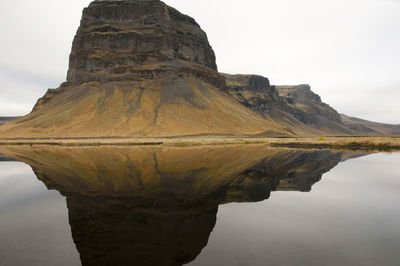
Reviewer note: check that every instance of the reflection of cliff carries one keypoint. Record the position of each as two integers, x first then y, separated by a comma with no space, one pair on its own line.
155,205
125,231
285,170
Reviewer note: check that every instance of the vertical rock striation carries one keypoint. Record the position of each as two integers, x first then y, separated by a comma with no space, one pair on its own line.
117,38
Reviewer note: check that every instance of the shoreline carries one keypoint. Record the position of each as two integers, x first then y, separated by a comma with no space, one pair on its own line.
353,143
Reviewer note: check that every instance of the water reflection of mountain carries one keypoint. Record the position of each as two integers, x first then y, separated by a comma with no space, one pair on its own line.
158,206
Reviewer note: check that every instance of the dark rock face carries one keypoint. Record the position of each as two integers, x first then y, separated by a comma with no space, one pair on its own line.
254,92
116,39
307,105
296,107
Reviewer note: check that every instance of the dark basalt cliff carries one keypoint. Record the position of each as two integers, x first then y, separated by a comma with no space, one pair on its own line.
307,106
117,38
294,107
254,92
299,109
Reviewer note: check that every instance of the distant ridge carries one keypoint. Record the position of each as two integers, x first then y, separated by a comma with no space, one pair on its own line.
299,109
370,128
6,119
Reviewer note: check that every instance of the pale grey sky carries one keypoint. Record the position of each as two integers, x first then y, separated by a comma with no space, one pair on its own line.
347,50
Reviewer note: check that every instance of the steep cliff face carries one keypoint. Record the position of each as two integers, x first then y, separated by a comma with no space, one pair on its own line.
139,68
117,38
306,105
254,92
294,107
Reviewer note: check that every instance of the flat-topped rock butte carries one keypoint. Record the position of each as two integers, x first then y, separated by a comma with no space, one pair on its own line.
140,68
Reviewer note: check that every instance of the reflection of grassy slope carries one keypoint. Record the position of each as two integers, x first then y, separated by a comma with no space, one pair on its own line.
122,170
141,108
197,174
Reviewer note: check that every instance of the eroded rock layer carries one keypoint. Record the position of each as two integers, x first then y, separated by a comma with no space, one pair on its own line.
117,38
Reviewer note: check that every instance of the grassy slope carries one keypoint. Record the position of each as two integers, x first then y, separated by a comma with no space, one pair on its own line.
148,108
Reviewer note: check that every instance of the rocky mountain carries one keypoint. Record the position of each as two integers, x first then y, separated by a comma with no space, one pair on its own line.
293,107
298,108
140,68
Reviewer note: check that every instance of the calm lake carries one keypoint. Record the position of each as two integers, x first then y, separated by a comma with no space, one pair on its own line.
236,205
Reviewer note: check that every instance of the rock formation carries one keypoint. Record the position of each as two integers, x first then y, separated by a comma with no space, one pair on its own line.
117,38
293,107
298,108
140,68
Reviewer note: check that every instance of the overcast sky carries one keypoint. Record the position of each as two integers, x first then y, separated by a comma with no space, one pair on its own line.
347,50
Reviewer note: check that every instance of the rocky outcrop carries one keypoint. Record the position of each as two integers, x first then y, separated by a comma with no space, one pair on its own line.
116,39
294,107
254,92
139,68
306,105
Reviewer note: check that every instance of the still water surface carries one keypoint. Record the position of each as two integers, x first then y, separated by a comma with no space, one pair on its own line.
200,206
